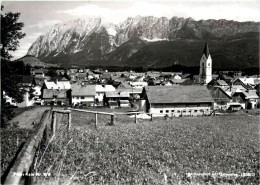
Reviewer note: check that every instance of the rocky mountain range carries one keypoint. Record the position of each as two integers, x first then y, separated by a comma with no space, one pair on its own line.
93,41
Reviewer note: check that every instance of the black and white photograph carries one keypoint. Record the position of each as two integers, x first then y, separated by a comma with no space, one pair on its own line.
144,92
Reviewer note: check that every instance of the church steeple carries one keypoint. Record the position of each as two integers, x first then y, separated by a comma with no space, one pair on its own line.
206,50
205,66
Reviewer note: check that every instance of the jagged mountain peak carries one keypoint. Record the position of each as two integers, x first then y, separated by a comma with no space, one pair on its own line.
96,36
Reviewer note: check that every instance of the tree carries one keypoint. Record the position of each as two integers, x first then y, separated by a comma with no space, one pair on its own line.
10,35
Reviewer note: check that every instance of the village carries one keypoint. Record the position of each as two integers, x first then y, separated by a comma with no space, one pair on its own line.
159,93
130,92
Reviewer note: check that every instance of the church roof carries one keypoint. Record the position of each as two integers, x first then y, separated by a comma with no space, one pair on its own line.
206,50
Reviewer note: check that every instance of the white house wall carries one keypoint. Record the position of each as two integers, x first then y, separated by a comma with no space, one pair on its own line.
181,110
79,100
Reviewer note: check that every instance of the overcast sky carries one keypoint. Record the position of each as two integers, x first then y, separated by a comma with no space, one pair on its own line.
39,17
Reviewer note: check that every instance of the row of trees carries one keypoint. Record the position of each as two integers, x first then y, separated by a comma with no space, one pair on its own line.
11,33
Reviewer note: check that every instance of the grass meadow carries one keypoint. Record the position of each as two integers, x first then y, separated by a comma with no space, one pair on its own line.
187,150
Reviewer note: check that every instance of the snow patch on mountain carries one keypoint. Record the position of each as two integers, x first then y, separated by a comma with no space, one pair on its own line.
154,40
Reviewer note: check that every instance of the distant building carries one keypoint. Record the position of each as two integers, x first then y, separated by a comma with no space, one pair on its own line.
117,99
83,94
56,85
177,100
101,90
56,96
205,75
38,72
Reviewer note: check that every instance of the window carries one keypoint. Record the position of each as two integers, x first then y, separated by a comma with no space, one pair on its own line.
161,111
184,111
208,64
172,110
195,110
178,111
82,97
167,111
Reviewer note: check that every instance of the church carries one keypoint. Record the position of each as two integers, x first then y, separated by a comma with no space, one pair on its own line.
205,75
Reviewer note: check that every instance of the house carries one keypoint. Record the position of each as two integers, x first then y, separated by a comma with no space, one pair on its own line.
27,101
56,85
37,94
247,98
38,81
192,100
176,76
133,92
117,99
83,94
60,71
101,90
105,77
246,81
218,83
38,72
177,81
9,100
56,96
81,76
221,98
251,99
73,77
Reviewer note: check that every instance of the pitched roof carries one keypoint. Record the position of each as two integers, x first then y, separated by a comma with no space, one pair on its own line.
178,81
178,94
83,90
57,85
250,94
206,50
222,82
51,93
105,88
105,76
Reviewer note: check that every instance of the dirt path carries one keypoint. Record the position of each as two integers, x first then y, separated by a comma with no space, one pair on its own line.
26,118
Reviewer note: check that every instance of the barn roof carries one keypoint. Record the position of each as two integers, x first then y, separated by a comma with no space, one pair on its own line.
178,94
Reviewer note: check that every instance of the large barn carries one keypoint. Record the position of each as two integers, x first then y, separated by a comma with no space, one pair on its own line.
177,100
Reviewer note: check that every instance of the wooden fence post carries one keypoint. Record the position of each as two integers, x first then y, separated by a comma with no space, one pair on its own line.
53,123
46,133
69,114
96,120
151,117
136,118
112,120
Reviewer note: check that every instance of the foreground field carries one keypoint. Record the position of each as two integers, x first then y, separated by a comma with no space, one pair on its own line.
180,150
